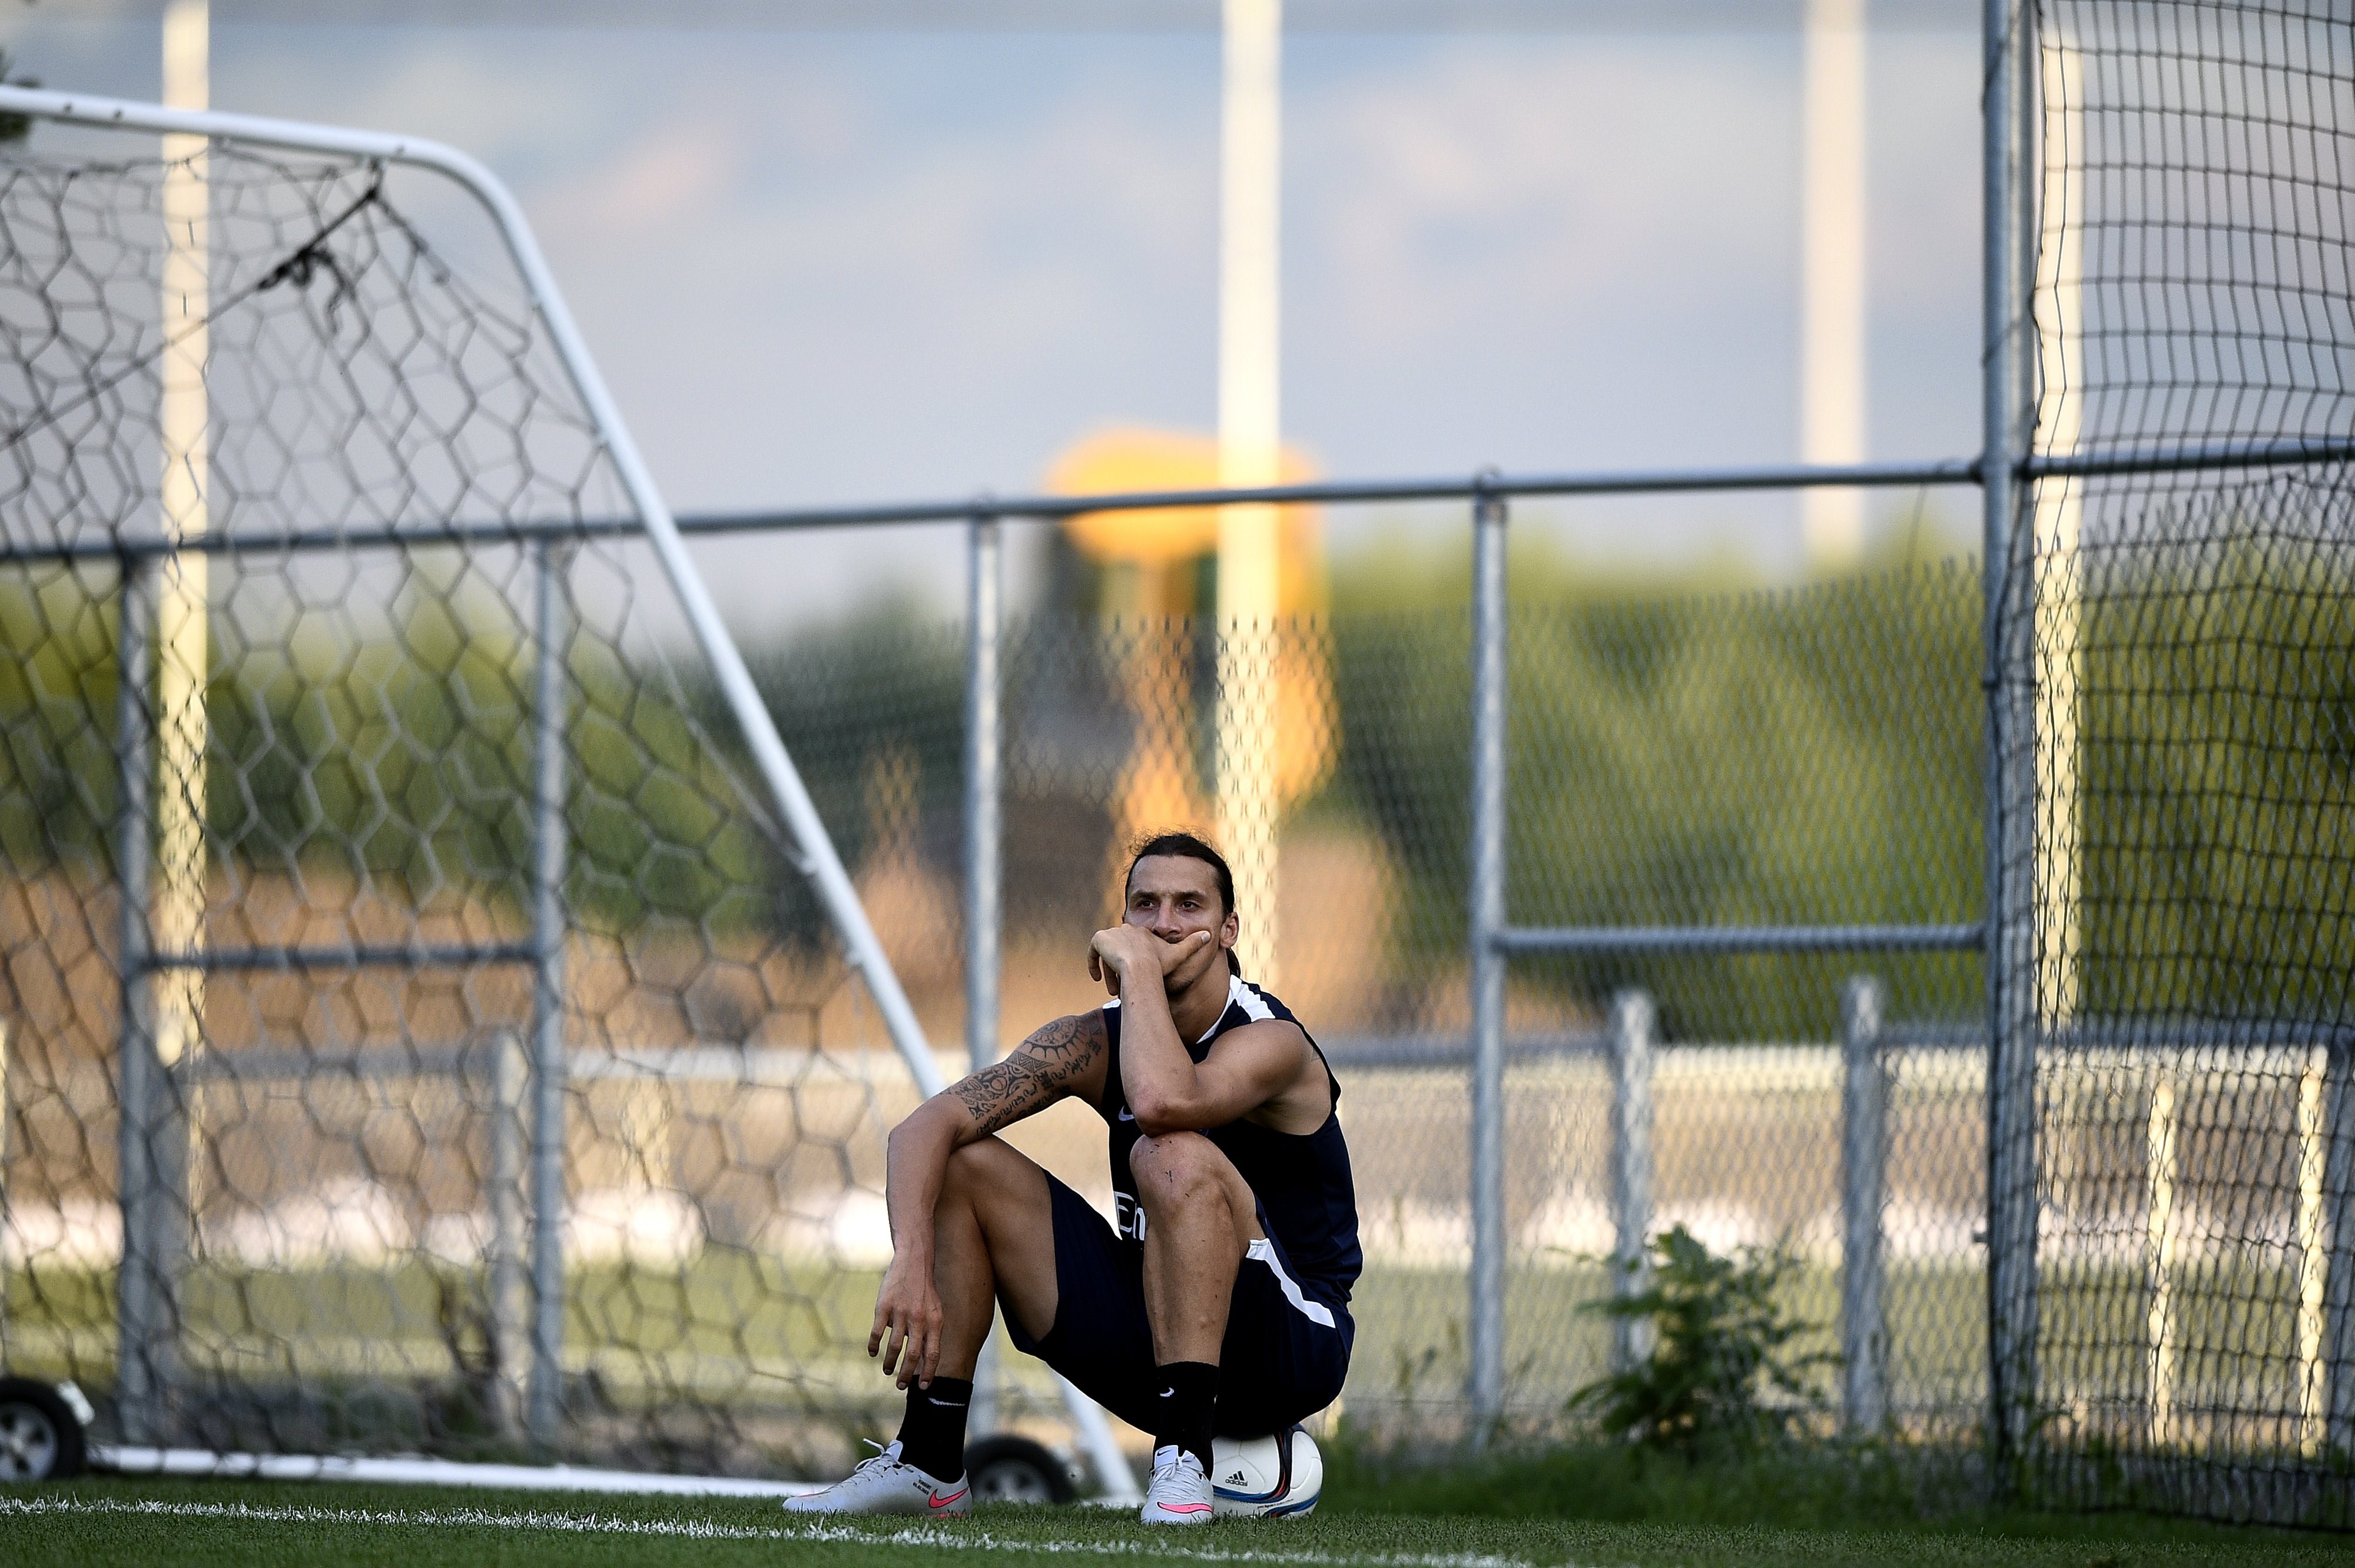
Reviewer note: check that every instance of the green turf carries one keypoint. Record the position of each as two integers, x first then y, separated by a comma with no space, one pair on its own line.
97,1523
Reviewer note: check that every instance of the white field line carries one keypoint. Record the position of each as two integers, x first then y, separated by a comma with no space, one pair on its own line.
193,1463
931,1537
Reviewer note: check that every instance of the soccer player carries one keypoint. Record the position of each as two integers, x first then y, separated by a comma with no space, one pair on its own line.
1217,1302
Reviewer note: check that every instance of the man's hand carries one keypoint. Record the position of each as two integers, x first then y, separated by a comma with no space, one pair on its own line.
1117,948
907,1313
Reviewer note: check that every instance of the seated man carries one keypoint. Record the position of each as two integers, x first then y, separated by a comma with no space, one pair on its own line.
1220,1304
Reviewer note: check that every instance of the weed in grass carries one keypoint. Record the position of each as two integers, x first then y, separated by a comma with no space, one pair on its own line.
1721,1371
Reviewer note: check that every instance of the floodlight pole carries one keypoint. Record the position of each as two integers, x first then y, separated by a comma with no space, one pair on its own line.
2007,405
1249,439
1833,295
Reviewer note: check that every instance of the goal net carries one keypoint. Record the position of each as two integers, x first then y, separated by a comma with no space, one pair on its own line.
420,1032
2181,673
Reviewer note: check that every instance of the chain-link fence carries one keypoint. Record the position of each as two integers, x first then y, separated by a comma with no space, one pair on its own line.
357,1143
1783,755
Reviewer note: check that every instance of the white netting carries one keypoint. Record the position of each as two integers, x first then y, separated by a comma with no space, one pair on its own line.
395,508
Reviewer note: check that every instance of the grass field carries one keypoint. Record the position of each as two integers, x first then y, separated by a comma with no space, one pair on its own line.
99,1523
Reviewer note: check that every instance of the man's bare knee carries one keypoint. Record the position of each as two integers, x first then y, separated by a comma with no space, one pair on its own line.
983,1169
1004,1192
1181,1168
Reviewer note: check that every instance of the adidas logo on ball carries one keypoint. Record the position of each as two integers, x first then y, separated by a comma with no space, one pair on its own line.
1278,1477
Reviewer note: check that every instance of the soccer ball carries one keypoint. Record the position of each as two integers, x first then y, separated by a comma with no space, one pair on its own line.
1266,1477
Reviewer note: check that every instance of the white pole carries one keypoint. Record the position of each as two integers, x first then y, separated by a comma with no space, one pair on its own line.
1250,435
2159,1164
4,1179
1832,313
2315,1224
183,644
2058,581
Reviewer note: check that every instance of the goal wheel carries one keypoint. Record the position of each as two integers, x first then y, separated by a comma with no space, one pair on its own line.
1006,1469
40,1437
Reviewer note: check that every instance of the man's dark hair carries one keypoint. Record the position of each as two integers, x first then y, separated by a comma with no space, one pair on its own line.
1187,847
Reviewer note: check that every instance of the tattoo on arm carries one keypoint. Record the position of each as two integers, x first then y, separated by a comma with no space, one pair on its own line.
1041,1071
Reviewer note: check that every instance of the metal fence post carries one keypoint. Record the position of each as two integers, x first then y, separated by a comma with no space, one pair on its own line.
545,1396
984,762
1634,1023
146,1313
1864,1162
510,1336
2009,264
983,878
1487,912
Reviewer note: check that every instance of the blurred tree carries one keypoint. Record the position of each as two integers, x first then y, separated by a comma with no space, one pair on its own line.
15,127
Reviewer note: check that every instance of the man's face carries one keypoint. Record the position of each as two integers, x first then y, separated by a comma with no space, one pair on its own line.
1175,895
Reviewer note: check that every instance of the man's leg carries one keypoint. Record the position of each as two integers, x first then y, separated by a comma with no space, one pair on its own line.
993,1231
1199,1220
992,1234
994,1228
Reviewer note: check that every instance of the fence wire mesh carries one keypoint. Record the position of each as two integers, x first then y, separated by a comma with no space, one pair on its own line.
1797,756
2183,670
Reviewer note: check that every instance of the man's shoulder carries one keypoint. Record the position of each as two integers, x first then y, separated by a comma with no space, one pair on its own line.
1261,1005
1247,1004
1071,1038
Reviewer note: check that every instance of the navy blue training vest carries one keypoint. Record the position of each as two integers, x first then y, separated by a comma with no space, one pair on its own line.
1306,1198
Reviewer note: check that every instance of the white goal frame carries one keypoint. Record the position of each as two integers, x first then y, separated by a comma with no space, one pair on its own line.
812,849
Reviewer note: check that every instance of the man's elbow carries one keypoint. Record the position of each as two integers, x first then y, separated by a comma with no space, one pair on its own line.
1159,1116
928,1120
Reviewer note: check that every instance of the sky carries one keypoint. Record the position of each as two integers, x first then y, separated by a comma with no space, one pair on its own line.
819,264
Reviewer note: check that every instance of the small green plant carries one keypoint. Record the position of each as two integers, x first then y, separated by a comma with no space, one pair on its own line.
1724,1371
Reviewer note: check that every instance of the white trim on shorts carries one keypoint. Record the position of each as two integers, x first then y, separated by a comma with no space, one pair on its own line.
1314,1311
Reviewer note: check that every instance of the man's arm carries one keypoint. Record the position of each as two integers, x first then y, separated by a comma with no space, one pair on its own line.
1057,1060
1041,1071
1168,1090
1246,1069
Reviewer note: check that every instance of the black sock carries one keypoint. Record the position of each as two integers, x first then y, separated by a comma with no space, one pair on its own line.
931,1435
1189,1403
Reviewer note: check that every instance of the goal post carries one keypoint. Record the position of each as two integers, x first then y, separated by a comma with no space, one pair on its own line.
651,749
784,781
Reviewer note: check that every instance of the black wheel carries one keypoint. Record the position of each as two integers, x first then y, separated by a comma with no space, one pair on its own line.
40,1440
1015,1469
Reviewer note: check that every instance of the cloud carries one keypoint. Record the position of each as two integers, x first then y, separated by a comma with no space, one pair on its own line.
1543,185
681,170
816,267
956,293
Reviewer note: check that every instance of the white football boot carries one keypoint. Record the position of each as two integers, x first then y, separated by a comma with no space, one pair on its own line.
884,1484
1180,1492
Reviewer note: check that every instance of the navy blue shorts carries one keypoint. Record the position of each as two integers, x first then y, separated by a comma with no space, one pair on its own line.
1286,1353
